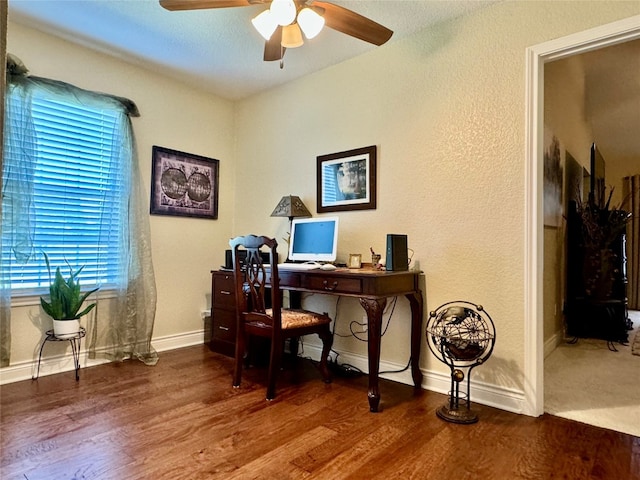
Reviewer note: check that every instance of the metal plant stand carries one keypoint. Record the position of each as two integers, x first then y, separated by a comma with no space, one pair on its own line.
75,342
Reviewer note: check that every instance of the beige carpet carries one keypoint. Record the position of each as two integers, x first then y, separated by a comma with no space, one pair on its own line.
591,384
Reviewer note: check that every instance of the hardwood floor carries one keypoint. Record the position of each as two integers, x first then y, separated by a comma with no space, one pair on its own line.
182,420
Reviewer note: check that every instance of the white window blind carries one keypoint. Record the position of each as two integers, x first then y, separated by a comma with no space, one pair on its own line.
78,188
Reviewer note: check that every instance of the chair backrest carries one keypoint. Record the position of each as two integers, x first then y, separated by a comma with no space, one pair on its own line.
256,282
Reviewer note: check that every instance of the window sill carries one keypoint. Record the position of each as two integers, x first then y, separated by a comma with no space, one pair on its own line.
32,297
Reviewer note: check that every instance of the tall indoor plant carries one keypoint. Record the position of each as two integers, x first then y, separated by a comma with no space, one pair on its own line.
65,302
602,226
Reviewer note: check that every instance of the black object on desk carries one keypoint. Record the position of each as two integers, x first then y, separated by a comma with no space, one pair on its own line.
228,262
74,340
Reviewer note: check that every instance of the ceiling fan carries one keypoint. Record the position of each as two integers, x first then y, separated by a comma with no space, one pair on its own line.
283,23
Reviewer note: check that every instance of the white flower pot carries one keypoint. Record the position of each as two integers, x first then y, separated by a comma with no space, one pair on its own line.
66,328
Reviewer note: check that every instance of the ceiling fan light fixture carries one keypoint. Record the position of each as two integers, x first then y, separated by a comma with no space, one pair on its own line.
265,24
310,22
291,36
284,11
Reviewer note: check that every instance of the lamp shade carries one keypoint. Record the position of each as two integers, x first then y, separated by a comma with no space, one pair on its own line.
265,24
310,22
292,36
284,11
290,206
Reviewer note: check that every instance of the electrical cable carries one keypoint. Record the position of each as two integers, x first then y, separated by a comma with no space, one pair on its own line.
354,334
397,371
411,256
348,369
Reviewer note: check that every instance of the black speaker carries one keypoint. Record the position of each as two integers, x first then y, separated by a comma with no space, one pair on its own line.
397,253
228,258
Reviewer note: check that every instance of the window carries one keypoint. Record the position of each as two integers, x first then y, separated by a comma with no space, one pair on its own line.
72,188
78,190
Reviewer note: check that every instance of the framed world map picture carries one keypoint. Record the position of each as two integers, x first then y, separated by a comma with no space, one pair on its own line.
183,184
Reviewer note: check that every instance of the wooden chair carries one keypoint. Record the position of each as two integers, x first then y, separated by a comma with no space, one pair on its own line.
254,282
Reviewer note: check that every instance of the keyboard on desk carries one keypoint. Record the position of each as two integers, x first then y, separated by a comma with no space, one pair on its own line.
299,266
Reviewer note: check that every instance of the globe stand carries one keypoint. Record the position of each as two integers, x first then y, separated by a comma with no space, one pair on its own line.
458,410
461,335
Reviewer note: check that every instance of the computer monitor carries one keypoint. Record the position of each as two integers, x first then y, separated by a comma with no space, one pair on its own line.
314,239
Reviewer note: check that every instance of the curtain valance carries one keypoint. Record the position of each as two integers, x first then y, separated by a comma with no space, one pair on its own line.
18,74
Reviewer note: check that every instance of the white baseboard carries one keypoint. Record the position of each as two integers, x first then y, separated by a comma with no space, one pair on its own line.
64,363
499,397
49,366
171,342
508,399
552,343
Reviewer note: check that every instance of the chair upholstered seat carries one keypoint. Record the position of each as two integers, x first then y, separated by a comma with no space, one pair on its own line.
295,318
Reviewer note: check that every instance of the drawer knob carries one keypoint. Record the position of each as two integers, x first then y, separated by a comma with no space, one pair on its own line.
225,292
223,328
325,285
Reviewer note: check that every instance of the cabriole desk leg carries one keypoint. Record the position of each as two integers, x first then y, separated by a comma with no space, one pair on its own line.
374,309
416,303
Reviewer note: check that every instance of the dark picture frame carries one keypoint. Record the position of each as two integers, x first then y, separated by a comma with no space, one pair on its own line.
183,184
347,180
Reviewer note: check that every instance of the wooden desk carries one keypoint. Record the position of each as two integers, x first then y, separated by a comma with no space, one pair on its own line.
372,288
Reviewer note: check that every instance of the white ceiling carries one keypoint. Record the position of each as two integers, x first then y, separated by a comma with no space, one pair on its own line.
612,104
219,49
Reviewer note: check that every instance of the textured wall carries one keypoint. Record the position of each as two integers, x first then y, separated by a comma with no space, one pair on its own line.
446,108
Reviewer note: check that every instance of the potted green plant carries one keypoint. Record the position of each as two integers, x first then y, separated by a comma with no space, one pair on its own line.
65,302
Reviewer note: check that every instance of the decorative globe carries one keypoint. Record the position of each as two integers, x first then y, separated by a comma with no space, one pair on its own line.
462,335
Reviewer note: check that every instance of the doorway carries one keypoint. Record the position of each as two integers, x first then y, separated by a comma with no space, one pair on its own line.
606,35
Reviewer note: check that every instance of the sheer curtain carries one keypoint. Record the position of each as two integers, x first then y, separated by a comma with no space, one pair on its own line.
5,332
631,192
125,332
122,325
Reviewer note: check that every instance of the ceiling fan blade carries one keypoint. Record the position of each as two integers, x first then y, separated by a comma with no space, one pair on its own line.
273,50
200,4
348,22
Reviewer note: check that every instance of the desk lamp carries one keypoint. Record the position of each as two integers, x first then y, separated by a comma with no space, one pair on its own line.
290,206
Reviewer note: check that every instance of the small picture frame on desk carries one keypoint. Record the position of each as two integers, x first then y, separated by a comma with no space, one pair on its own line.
355,260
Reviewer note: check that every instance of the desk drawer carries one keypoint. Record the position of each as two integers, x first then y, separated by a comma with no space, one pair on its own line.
223,291
224,325
332,284
289,279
